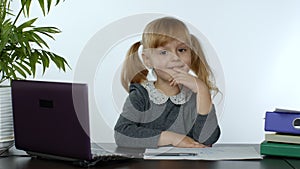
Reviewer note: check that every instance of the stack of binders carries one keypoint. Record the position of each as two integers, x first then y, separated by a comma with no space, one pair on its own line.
282,137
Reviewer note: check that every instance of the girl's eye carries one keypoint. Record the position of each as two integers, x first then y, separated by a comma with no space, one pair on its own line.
163,52
182,50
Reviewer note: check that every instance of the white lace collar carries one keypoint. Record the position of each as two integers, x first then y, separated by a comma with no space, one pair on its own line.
160,98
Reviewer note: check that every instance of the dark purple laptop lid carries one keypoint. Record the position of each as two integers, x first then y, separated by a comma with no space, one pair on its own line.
51,118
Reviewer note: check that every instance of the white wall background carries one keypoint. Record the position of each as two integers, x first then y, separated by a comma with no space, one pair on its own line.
257,43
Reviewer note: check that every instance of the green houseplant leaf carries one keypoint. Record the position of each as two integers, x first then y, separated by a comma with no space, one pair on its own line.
24,46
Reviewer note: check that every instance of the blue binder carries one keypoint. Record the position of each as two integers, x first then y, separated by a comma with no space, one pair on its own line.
283,122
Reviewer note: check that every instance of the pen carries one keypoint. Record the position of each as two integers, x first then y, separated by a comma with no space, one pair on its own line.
173,154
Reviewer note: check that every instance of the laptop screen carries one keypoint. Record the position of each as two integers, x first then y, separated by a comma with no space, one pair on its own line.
51,118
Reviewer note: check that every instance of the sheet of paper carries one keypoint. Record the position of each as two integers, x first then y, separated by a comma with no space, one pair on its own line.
210,153
286,110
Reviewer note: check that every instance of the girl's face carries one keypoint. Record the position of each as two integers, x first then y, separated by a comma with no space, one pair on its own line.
173,54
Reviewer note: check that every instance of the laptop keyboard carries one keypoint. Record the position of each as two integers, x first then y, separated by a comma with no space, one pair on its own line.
104,155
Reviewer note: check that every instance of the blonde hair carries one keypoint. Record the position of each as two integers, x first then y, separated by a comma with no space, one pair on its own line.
200,66
133,70
158,33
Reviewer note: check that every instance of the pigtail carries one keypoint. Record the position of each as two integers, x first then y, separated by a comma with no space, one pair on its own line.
133,70
200,65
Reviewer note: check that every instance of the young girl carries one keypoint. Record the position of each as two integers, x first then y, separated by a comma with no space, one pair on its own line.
167,105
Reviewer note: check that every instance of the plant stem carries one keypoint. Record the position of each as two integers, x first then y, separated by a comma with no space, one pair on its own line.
21,10
16,19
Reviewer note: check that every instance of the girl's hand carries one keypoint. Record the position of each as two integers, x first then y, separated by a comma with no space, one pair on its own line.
178,140
181,76
187,142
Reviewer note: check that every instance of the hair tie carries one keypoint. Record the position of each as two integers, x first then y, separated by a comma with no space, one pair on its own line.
140,53
151,76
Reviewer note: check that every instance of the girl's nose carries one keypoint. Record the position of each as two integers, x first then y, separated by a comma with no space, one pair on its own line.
175,57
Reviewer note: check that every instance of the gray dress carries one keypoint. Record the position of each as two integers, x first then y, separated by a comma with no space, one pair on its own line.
146,114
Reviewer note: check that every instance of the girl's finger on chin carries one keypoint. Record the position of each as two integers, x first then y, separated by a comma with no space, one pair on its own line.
176,69
173,83
180,70
170,72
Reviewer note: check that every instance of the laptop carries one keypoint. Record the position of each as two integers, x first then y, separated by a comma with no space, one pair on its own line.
51,120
